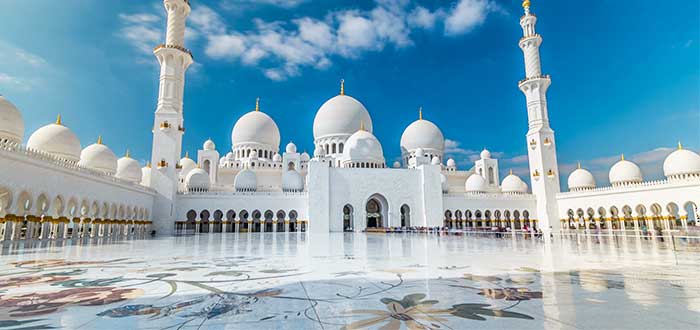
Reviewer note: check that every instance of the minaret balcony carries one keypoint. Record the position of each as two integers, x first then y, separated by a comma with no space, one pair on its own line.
536,35
528,79
178,47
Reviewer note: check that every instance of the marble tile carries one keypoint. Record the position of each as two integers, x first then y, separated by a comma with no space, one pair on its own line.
400,281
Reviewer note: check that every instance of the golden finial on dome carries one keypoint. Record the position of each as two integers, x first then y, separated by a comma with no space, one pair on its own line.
99,139
362,125
342,86
578,166
257,104
420,113
128,154
148,164
511,171
58,120
680,146
622,157
187,154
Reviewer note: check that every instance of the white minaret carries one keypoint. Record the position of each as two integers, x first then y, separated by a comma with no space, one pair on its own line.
541,146
168,126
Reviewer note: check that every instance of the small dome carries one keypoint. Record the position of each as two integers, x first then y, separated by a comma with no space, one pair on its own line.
230,155
341,115
624,172
186,165
397,164
99,157
475,184
513,184
363,146
682,162
209,145
246,180
422,134
305,157
581,179
291,148
292,181
485,154
451,163
56,140
256,127
319,152
435,160
444,184
198,179
11,122
146,175
277,158
129,169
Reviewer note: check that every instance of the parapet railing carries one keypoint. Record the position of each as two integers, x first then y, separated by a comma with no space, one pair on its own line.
51,160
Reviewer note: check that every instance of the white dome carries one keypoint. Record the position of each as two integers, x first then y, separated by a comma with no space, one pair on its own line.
99,157
230,155
246,180
129,169
56,140
209,145
422,134
341,115
256,127
475,183
292,181
319,152
397,164
435,160
291,148
581,179
485,154
451,163
682,162
624,172
198,179
363,146
187,165
513,184
11,122
305,157
444,184
277,158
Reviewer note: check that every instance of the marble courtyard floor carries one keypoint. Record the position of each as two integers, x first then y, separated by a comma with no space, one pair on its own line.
351,281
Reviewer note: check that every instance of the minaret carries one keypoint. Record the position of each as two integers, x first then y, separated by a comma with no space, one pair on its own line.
541,145
168,126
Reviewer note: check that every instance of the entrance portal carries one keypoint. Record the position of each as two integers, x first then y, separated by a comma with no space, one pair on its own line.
375,213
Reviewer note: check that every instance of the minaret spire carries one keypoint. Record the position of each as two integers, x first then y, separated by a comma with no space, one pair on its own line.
541,146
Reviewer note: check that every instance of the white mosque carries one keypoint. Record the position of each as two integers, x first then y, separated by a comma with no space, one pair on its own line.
51,187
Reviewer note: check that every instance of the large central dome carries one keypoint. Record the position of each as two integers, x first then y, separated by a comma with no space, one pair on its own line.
341,115
422,134
256,127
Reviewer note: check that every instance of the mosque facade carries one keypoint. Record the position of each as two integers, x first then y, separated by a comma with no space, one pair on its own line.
52,187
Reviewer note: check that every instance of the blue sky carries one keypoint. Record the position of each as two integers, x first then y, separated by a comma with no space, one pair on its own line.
626,74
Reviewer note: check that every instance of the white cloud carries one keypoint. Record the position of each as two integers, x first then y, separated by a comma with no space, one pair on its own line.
238,4
282,49
22,69
466,15
142,31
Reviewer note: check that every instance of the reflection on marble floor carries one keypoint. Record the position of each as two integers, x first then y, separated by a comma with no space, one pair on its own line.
349,281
